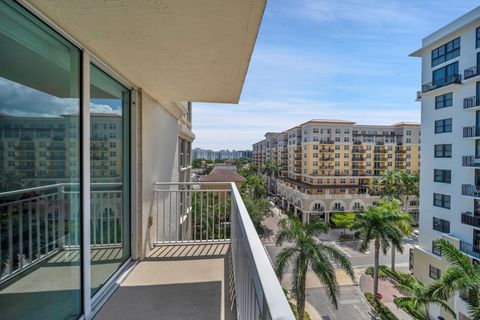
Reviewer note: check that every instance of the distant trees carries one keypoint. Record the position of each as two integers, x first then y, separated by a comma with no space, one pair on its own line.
270,169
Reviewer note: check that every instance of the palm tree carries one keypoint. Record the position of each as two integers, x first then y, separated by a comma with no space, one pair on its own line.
381,224
389,183
253,186
418,297
270,169
461,275
304,251
395,184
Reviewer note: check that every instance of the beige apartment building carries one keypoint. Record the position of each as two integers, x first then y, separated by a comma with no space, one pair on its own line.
330,165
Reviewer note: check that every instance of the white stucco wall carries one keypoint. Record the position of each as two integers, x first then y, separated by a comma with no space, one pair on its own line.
158,161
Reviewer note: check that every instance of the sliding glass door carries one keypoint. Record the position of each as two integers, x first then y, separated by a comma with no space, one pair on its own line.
109,173
40,211
43,220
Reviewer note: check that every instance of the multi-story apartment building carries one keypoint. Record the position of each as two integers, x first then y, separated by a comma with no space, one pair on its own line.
450,171
206,154
95,150
330,165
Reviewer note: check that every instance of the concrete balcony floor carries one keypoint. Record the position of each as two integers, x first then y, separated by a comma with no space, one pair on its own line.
175,282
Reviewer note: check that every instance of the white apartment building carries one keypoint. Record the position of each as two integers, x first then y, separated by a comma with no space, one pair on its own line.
450,166
98,217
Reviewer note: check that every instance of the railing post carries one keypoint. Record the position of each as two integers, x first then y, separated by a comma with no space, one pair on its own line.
61,217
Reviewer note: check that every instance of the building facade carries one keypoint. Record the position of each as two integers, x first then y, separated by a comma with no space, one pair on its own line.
206,154
328,166
449,187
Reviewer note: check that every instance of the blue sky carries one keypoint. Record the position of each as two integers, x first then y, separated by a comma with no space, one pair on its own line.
340,59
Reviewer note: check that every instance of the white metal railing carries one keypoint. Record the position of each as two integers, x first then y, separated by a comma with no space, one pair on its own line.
36,223
192,212
205,212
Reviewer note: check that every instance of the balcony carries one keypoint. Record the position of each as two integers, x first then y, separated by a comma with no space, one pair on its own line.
471,103
206,253
470,161
470,190
357,158
471,132
470,219
453,79
470,249
419,96
471,72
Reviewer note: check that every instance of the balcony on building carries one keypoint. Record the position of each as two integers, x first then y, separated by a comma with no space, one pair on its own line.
471,103
440,83
471,219
419,96
206,253
470,249
471,190
470,161
472,132
471,72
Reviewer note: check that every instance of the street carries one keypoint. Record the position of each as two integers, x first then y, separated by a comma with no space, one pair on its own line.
352,304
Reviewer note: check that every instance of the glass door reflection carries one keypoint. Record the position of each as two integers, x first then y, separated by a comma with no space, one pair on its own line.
109,175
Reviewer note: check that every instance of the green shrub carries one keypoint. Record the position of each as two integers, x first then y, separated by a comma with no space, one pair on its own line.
383,311
381,273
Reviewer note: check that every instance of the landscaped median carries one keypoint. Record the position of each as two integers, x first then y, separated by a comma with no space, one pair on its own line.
380,309
385,306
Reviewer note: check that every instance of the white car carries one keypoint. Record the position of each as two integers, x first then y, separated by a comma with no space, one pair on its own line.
416,232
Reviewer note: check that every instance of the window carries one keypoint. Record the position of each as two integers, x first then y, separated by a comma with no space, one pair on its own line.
445,75
436,249
443,151
444,176
444,100
441,200
446,52
477,37
434,273
444,125
441,225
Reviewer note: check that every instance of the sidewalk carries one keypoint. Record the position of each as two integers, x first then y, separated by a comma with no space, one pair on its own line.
388,292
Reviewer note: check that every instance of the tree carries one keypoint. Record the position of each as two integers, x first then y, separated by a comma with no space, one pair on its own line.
270,169
258,209
418,297
381,224
253,186
395,184
343,220
304,251
389,184
461,275
11,180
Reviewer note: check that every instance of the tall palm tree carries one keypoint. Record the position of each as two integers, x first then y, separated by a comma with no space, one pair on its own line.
381,224
389,183
270,169
461,275
395,184
418,297
304,251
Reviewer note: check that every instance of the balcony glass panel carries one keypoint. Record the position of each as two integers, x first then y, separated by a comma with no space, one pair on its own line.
109,131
